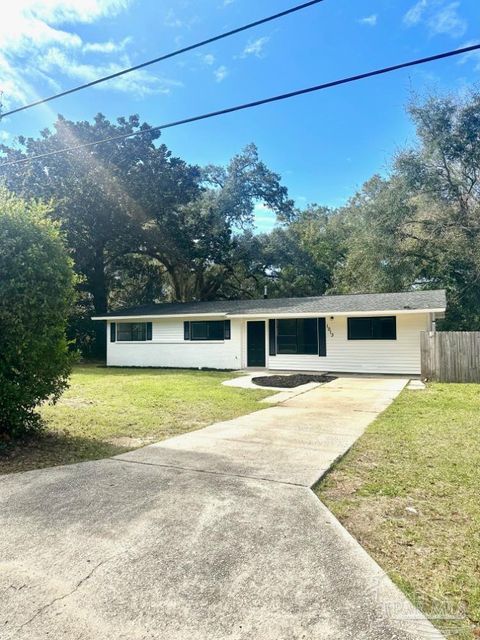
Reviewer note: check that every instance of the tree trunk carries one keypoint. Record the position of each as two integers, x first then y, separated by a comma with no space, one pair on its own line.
98,288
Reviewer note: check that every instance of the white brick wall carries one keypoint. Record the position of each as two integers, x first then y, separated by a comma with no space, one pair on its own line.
168,349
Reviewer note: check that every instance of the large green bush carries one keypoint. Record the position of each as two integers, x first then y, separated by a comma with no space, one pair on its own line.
36,295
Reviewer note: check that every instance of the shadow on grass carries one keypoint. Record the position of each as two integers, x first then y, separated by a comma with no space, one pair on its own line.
53,449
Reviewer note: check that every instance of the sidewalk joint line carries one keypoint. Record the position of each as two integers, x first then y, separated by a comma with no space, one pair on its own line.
215,473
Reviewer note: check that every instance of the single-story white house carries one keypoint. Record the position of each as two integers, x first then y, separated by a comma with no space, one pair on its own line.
360,333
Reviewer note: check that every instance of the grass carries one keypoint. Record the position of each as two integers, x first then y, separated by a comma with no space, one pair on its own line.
409,491
108,411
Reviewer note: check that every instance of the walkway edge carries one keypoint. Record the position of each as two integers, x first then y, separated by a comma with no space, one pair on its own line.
387,594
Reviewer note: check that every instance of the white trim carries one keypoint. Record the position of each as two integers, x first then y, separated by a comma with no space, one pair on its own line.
171,341
160,316
266,316
328,314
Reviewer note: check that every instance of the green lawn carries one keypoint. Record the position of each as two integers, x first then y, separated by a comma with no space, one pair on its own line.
108,411
409,491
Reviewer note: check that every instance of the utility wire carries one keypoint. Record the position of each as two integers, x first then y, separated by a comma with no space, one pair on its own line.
166,56
256,103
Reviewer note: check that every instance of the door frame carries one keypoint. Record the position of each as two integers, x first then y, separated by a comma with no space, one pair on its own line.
245,342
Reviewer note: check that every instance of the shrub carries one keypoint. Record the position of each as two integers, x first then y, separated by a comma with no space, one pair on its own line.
36,295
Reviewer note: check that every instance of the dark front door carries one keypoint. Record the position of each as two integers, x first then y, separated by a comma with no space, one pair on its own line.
256,344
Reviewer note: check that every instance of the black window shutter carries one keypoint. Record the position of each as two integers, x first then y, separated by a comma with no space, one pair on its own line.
113,332
149,330
272,338
322,337
228,330
186,330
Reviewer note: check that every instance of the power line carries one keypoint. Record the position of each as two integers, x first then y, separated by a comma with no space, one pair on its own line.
256,103
166,56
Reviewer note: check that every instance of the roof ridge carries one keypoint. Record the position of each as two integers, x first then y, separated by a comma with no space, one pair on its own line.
327,295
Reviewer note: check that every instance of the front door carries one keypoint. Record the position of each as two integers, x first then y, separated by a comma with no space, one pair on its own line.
256,344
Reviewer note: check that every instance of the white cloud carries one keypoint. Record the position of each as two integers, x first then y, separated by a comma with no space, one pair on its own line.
221,73
470,56
261,207
139,83
265,218
439,16
73,11
208,58
415,13
255,47
370,21
39,38
106,47
29,23
171,20
12,85
448,21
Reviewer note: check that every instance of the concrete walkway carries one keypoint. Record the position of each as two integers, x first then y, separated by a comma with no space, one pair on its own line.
212,535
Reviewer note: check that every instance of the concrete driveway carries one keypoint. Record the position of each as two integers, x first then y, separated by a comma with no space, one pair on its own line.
211,535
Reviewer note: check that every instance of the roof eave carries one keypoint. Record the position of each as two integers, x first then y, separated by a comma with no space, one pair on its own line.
160,315
316,314
296,314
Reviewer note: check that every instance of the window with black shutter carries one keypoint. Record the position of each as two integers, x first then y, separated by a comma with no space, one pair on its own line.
208,330
132,331
297,336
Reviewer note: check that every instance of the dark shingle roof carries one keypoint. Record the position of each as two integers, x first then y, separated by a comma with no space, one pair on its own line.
359,302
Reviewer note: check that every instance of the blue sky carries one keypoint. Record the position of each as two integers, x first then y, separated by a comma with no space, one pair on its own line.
324,145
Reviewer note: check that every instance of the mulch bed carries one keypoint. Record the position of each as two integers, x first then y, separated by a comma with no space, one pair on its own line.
289,382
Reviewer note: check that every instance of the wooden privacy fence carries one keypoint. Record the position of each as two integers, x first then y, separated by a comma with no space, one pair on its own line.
450,356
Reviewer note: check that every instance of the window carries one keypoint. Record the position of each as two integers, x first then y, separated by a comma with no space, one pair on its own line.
297,336
207,330
134,331
378,328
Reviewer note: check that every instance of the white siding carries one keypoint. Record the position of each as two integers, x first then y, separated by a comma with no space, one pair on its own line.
363,356
168,349
170,330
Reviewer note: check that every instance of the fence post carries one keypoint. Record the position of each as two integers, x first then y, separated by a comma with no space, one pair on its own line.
427,349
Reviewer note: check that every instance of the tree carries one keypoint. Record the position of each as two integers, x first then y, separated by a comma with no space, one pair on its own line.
36,296
96,192
443,177
302,256
199,243
377,258
420,227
